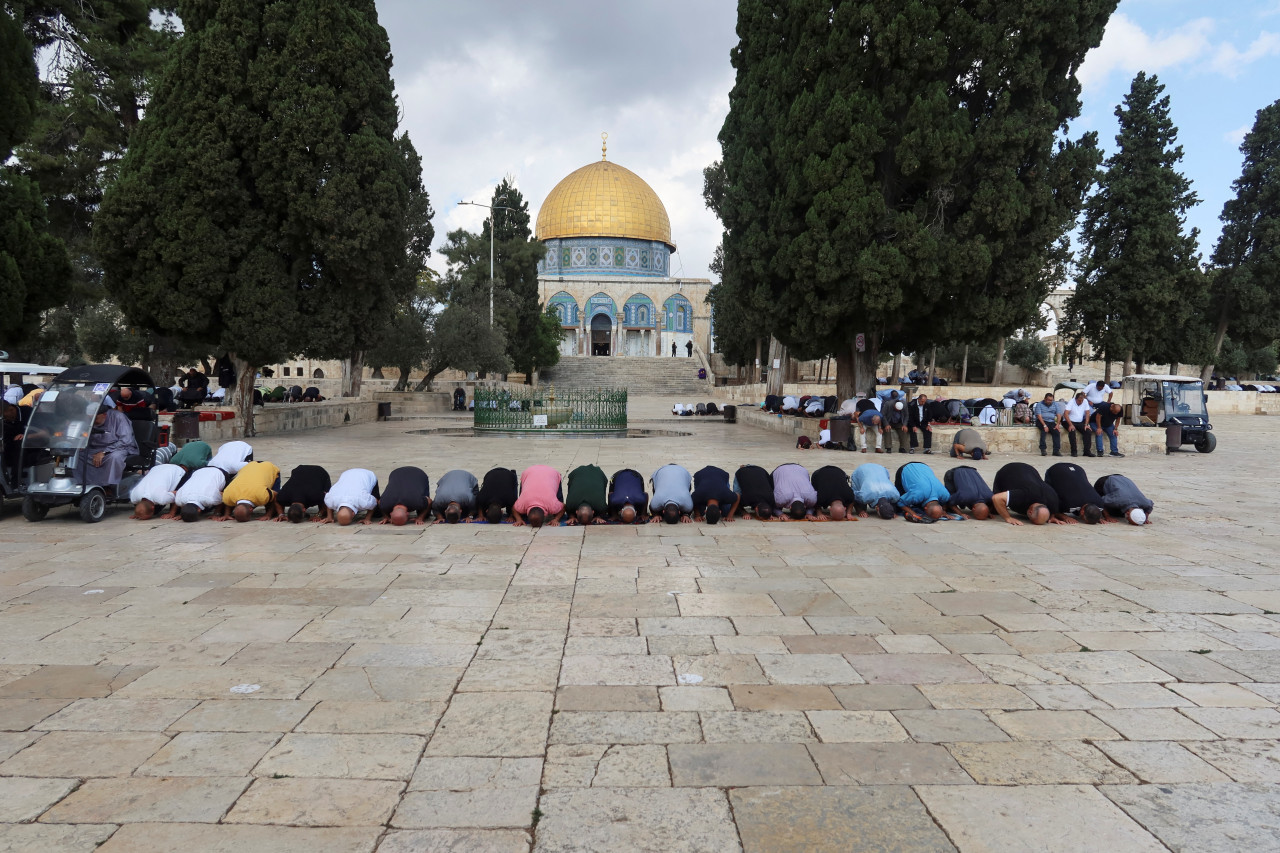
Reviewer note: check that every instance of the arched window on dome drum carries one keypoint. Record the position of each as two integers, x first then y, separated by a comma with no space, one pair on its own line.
679,315
638,313
566,308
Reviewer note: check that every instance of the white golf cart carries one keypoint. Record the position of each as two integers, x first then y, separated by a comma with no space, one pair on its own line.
1176,403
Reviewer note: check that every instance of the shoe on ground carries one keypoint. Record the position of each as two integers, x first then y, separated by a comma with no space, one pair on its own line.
1044,453
912,450
1057,453
929,451
879,450
1117,454
1073,453
902,450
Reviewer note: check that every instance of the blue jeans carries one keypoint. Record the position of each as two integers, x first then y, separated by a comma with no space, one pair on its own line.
1110,433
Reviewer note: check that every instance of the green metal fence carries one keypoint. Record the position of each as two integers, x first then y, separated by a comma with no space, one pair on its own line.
546,410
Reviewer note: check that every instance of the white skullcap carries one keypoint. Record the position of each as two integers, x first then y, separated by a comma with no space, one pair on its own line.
13,395
898,406
1138,516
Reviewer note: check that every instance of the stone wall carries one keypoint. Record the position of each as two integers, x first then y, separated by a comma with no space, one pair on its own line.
289,417
1012,439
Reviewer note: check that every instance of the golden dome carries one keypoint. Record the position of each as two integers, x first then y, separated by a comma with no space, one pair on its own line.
604,200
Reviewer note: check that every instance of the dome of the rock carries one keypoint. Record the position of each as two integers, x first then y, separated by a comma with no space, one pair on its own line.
604,199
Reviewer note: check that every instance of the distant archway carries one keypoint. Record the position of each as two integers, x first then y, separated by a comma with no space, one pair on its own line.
317,374
601,334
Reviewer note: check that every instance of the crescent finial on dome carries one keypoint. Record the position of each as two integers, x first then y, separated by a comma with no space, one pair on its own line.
604,146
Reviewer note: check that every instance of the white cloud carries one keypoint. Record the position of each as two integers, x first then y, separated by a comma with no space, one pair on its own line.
1229,61
1127,47
510,87
1235,137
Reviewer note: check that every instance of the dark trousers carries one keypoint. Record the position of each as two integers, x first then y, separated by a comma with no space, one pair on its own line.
1057,438
1084,437
928,437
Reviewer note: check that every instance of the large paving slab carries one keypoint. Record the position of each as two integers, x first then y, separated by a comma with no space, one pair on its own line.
867,685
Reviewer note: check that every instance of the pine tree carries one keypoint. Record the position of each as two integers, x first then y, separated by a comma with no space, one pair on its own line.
1139,283
98,62
900,168
516,256
266,206
1246,284
34,269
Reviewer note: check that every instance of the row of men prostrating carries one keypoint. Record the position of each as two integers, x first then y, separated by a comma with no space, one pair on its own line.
232,485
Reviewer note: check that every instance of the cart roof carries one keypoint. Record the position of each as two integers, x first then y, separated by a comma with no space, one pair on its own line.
1162,377
27,368
113,373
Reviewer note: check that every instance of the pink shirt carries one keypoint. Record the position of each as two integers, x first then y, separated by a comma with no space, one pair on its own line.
538,487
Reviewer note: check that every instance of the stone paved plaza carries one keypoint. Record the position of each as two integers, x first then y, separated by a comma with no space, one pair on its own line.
863,686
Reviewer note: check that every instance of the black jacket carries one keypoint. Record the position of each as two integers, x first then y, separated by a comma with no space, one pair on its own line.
917,415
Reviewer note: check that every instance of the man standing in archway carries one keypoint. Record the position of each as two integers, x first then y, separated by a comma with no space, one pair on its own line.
673,349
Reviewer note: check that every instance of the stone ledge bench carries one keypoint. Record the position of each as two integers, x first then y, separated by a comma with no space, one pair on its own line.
1000,440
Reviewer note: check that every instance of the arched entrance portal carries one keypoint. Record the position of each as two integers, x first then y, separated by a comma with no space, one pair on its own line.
601,334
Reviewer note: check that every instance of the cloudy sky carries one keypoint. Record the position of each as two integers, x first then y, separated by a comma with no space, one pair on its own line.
507,87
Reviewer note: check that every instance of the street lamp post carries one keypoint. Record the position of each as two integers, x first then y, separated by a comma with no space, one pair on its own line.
493,236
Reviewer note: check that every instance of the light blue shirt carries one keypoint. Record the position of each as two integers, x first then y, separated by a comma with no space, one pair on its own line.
871,482
672,484
920,486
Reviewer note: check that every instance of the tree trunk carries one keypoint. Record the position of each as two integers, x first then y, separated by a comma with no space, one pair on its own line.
896,378
1140,366
352,374
377,374
856,371
162,363
428,378
933,364
1207,372
776,376
1106,371
242,395
964,366
997,371
1128,363
756,376
1173,368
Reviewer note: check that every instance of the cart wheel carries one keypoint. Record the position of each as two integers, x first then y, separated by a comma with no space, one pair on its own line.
33,510
1208,443
93,506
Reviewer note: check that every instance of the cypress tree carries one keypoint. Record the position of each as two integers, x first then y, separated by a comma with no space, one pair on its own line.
1139,283
900,168
531,343
34,269
267,207
1246,281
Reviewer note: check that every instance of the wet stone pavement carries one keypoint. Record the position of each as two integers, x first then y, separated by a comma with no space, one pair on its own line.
766,687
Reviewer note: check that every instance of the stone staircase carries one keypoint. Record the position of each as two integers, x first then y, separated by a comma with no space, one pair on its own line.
669,377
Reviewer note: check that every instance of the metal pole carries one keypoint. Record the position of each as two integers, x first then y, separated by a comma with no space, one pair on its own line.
493,235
